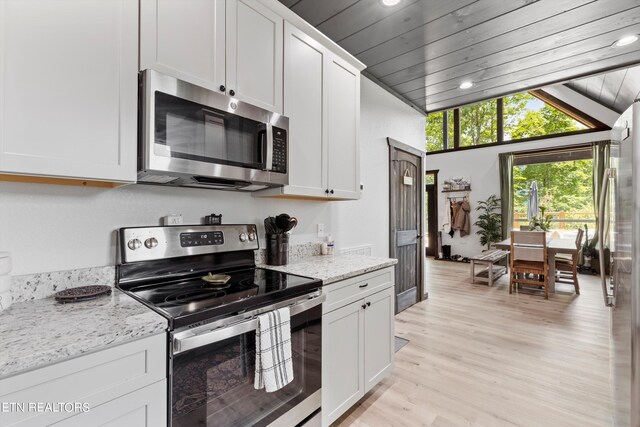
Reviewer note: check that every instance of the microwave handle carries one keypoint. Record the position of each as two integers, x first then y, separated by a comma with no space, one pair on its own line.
268,148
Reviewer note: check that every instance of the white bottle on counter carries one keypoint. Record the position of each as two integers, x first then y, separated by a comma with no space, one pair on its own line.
324,250
330,245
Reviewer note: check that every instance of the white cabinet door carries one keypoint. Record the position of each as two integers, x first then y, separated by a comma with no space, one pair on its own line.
305,62
344,124
184,39
342,359
68,88
379,345
254,54
146,407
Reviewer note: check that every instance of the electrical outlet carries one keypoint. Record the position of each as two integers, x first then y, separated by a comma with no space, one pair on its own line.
320,230
173,219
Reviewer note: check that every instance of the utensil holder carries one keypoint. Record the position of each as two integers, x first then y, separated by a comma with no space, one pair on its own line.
277,249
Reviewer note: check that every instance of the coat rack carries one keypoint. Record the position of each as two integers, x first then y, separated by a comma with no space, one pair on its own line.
456,198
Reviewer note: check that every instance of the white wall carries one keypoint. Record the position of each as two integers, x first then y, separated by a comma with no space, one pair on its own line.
382,115
481,165
52,227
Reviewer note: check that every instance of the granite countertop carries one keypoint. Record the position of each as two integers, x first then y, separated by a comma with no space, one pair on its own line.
333,268
41,332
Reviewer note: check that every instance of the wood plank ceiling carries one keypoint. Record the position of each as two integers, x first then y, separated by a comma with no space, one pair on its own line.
616,89
424,49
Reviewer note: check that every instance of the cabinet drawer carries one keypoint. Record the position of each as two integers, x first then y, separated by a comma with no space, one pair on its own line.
146,407
355,288
94,378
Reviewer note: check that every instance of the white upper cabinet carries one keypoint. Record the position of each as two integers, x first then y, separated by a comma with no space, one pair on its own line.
322,101
304,65
185,39
232,46
344,123
254,54
68,88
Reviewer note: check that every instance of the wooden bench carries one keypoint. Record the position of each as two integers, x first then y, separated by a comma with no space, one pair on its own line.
492,271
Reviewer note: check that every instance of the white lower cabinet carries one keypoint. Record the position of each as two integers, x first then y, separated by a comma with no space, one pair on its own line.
122,386
342,360
357,340
146,407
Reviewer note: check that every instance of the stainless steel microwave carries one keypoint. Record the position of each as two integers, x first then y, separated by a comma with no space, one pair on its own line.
194,137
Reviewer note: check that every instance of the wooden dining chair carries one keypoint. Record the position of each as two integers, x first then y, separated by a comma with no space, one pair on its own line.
529,257
567,265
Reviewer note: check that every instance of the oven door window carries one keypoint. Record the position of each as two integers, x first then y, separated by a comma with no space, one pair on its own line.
213,385
195,132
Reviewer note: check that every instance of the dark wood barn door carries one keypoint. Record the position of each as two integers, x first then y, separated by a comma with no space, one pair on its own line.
406,213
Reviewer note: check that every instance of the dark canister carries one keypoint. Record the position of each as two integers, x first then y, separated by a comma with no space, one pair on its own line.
277,248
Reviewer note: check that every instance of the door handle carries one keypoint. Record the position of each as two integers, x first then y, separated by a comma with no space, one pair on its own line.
608,173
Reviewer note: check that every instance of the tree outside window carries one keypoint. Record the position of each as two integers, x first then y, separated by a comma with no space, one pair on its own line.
564,190
478,124
524,116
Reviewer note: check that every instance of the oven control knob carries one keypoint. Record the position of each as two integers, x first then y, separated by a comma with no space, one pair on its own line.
134,244
243,237
252,236
151,242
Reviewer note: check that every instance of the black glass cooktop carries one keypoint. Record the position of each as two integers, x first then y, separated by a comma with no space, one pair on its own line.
193,300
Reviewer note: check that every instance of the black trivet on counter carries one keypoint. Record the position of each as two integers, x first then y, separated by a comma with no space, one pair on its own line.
82,293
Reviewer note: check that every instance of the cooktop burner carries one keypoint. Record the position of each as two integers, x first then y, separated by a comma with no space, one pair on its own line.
181,300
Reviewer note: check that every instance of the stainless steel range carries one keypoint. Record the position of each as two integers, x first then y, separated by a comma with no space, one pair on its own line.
203,279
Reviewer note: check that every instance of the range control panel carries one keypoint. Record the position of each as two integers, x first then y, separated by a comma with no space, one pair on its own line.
201,239
149,243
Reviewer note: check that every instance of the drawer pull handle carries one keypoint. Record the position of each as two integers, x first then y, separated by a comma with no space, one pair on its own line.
364,305
364,286
368,303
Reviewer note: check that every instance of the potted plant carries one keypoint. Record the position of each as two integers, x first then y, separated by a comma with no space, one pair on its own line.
541,223
489,221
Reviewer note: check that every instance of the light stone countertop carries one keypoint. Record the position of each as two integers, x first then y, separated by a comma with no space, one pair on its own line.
40,332
333,268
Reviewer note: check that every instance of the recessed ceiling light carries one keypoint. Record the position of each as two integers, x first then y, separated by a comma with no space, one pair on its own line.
466,85
390,2
626,40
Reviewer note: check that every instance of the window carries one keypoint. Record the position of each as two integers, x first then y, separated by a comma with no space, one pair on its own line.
434,131
526,116
478,124
565,184
513,118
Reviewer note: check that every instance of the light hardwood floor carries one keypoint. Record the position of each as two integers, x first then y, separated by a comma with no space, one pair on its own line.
478,356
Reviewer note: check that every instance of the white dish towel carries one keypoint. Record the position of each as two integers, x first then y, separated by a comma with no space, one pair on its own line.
274,367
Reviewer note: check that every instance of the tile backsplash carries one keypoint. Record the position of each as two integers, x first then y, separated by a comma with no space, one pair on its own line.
42,285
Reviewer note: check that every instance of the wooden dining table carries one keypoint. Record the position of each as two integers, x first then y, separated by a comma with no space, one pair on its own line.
554,246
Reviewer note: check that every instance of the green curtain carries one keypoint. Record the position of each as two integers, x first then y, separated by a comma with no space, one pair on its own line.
506,192
601,152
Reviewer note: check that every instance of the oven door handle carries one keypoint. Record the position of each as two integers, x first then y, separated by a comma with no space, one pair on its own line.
191,340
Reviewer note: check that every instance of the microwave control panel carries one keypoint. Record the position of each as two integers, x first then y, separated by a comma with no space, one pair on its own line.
279,150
